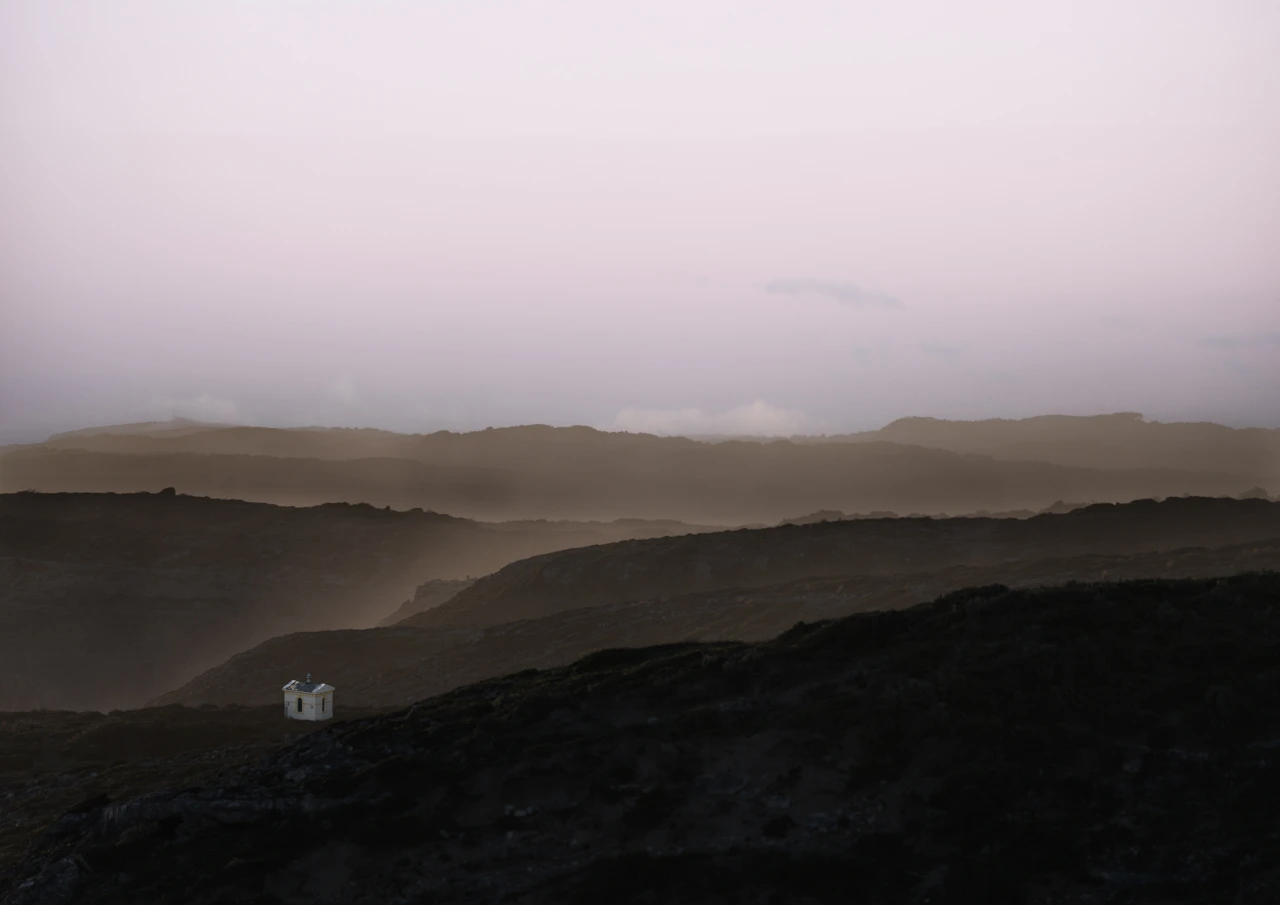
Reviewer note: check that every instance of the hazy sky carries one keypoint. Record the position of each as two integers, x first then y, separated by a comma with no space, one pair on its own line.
669,216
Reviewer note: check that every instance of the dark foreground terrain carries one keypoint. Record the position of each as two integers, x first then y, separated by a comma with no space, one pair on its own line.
52,761
1093,743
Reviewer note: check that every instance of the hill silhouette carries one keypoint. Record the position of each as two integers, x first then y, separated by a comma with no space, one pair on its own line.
1121,440
111,599
537,471
1103,742
397,665
660,567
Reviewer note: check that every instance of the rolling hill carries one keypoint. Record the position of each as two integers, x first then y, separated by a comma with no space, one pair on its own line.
581,473
108,600
1121,440
397,665
661,567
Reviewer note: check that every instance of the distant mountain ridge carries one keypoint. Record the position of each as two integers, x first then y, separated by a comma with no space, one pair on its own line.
536,471
1120,440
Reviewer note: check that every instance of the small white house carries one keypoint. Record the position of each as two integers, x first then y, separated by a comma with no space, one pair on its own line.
308,700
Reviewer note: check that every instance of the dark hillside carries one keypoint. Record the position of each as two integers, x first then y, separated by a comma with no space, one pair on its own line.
53,761
395,666
743,559
107,600
1097,743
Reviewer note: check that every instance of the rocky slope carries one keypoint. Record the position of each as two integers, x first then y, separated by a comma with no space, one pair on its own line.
389,667
107,600
662,567
1091,744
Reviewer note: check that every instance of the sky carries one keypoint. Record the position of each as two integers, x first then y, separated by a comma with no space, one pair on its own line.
675,217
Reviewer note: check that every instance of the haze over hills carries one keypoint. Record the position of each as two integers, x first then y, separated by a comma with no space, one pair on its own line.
1119,440
915,465
110,599
396,665
1094,743
659,567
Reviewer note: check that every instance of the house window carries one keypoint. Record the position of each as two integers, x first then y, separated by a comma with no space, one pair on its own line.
322,703
299,705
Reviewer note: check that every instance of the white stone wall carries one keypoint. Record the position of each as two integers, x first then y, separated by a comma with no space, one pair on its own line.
314,706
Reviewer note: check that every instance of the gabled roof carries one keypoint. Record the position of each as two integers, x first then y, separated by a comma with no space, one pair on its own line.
308,687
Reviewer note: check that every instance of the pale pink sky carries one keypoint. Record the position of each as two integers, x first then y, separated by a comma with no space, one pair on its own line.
670,216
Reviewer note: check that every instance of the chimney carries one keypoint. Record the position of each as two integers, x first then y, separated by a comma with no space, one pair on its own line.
308,678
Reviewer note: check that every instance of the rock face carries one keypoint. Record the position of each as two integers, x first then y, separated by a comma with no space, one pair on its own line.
1086,744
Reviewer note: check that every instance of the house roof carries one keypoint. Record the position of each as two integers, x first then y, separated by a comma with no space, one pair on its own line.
308,687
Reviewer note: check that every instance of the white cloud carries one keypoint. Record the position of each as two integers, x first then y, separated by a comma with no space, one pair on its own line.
343,390
756,419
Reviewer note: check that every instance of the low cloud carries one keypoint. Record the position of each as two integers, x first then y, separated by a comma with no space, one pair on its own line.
844,293
343,390
756,419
